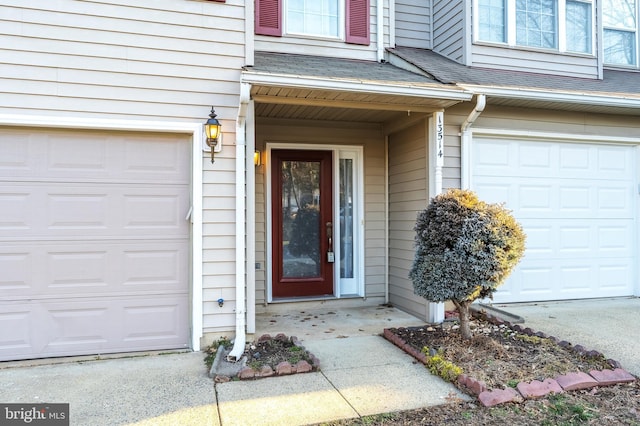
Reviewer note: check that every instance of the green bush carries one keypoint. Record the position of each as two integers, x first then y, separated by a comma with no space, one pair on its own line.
465,248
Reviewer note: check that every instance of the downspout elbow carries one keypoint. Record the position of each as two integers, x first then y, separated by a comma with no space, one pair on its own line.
481,102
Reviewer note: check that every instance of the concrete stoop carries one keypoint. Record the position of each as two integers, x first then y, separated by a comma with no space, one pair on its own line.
535,388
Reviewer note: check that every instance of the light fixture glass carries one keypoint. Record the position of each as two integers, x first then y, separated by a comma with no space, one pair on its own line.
212,130
257,158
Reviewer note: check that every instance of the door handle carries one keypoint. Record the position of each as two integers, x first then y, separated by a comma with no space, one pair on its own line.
330,257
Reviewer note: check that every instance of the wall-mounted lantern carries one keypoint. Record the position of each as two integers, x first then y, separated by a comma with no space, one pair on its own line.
257,158
212,129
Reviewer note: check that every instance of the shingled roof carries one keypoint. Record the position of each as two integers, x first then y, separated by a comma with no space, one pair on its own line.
625,84
340,69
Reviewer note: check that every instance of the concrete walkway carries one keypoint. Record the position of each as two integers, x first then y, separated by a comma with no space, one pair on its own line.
361,374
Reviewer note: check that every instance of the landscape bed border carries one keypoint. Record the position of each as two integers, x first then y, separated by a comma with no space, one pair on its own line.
535,388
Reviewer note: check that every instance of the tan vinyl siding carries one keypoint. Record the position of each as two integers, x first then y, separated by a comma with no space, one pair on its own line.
164,60
408,194
327,47
548,121
413,24
529,60
298,132
449,29
121,60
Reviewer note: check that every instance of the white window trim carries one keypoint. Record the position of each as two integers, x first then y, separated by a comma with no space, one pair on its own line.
637,41
354,152
510,28
342,12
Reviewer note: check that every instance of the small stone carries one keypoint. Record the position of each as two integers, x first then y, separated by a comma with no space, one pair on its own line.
257,355
222,379
455,327
431,329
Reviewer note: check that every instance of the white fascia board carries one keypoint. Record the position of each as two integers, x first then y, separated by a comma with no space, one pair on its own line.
356,86
620,101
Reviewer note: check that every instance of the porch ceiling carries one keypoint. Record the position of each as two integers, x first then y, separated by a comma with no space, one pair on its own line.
334,105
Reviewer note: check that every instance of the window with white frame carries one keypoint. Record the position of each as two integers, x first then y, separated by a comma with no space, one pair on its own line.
313,17
620,31
563,25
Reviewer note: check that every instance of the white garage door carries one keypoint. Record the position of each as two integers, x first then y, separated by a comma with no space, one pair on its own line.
94,245
577,204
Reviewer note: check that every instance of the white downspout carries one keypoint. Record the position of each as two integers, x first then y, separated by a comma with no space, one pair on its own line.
465,141
380,30
241,337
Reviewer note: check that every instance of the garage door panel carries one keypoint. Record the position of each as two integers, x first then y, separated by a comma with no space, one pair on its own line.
105,325
577,205
88,211
78,269
558,198
94,156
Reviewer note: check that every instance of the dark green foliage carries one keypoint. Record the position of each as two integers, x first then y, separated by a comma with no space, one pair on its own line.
465,248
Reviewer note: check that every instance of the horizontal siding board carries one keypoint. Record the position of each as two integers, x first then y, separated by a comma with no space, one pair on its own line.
413,24
521,59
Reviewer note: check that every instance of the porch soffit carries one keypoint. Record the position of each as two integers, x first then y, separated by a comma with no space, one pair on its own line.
312,88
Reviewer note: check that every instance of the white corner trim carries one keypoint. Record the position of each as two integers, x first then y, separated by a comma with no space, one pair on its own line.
196,132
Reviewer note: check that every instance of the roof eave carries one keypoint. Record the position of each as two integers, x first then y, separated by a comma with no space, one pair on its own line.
530,94
357,86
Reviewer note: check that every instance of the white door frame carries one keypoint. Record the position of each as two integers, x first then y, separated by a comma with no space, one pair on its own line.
356,153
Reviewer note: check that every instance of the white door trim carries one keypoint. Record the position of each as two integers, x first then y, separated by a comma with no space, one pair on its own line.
195,130
359,183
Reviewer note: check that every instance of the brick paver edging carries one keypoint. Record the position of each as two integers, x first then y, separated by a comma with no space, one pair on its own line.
535,388
284,368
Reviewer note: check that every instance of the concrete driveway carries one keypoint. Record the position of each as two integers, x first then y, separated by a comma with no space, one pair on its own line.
611,326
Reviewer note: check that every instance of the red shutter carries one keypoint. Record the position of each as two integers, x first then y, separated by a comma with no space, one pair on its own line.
268,17
358,21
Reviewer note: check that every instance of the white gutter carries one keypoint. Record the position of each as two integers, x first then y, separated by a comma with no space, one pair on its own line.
241,337
613,100
465,140
356,86
380,30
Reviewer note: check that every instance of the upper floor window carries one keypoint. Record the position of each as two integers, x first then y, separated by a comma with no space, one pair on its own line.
313,17
620,28
341,19
564,25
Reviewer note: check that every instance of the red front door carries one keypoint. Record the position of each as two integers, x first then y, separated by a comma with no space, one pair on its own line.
302,233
